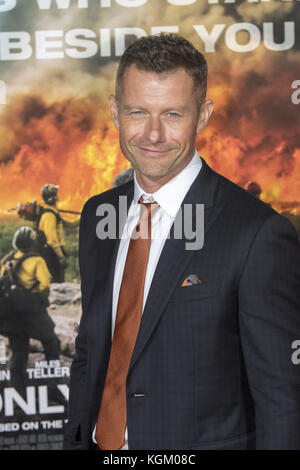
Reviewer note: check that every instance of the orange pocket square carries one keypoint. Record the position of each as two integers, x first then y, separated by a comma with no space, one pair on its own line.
191,280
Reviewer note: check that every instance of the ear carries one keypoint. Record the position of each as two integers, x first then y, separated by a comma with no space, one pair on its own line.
113,106
204,115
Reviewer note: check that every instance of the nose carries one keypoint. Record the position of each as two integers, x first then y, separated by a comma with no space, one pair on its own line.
154,130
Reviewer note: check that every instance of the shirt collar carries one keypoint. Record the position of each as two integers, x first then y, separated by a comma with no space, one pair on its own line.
171,194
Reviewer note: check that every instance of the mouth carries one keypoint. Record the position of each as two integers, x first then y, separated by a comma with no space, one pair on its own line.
153,152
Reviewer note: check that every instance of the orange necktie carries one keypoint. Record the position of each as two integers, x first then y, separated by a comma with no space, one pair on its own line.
111,422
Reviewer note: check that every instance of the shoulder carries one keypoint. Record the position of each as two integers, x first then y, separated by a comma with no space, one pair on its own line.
49,214
240,203
243,215
40,262
32,263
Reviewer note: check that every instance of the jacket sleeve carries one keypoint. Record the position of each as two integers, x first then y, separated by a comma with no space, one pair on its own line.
78,368
269,320
42,274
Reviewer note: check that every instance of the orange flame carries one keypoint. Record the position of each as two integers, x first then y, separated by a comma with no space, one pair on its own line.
87,168
57,144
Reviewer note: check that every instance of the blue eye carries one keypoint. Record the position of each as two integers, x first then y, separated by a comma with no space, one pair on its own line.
173,115
137,115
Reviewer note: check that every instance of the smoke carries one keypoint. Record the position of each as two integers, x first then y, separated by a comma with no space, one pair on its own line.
259,112
49,128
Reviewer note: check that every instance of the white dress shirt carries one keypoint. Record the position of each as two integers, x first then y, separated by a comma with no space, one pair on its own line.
169,197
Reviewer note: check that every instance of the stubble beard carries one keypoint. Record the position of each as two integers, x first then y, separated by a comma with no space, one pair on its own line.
154,171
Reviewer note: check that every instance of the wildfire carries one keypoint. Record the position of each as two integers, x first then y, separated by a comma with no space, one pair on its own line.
280,186
82,161
73,143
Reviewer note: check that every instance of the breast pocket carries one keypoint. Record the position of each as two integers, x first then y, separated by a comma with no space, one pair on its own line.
208,288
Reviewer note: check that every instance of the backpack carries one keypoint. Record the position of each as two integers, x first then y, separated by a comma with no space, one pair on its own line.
29,210
33,211
15,298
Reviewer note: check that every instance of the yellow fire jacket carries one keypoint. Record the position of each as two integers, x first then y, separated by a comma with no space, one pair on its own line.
53,230
32,269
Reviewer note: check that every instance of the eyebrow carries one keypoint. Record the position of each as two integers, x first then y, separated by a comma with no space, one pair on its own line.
128,107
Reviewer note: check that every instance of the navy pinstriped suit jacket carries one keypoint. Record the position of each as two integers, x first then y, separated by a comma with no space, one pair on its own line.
212,365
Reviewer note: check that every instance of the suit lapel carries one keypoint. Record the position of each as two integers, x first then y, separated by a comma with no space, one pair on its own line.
111,252
174,259
104,253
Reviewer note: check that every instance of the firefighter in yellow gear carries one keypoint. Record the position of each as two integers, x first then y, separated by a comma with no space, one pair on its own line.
34,322
33,270
51,224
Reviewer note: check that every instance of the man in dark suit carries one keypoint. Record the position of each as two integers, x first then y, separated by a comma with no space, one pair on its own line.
206,360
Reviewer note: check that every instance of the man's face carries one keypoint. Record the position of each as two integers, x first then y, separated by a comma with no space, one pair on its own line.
158,117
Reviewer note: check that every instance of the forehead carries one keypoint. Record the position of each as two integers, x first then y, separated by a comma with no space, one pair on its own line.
142,86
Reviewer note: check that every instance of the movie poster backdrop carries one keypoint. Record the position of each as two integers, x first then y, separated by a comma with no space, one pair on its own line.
58,60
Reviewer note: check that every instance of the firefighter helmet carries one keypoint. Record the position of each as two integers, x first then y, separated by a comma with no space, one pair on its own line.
24,238
253,188
49,193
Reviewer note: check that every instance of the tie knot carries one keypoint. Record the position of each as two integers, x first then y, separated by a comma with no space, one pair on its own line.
148,209
150,200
